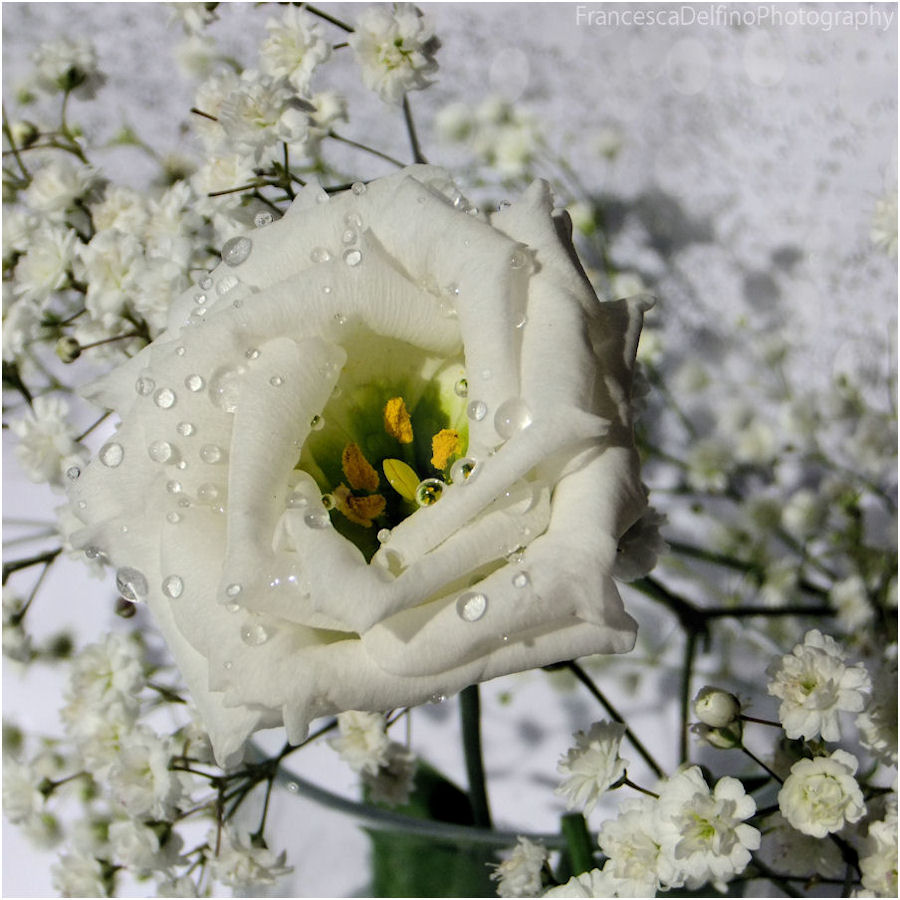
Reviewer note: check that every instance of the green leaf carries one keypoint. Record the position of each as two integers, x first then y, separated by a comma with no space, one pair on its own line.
404,865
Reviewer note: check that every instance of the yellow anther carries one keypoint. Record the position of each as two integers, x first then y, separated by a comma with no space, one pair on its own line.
396,420
444,445
401,477
357,469
359,510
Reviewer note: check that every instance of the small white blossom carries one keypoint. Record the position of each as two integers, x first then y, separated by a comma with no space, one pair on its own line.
99,730
193,17
111,265
46,439
241,865
821,795
55,188
136,846
21,798
877,724
21,324
196,56
633,844
176,887
210,98
454,122
709,460
68,64
294,48
329,108
45,267
519,875
716,708
592,766
505,137
851,600
140,780
16,642
596,883
363,742
121,207
392,783
884,223
79,875
804,513
395,49
878,858
18,227
109,670
172,223
162,280
703,833
815,686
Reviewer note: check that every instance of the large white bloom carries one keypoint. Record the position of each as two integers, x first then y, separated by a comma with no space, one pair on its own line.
519,875
592,766
458,394
46,440
815,686
294,48
821,795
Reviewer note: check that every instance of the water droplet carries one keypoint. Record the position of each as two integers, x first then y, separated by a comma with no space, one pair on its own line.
82,504
184,502
293,787
429,491
180,351
73,473
131,584
448,310
227,665
276,381
317,423
326,288
261,219
254,635
173,587
207,493
384,535
235,250
452,289
358,188
194,383
206,282
340,318
252,353
185,429
162,452
198,315
461,388
224,388
296,500
503,204
237,304
512,416
165,398
463,470
111,454
211,453
471,606
521,580
476,410
328,501
174,487
353,220
516,555
349,236
173,517
437,698
517,259
486,374
319,255
522,322
353,257
317,519
144,386
125,608
233,590
94,553
227,283
200,298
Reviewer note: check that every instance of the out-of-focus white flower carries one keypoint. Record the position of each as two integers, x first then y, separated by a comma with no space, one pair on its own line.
519,875
804,513
171,222
222,173
21,798
111,265
16,642
851,600
395,49
781,577
709,461
821,795
505,137
176,887
330,107
241,865
815,686
877,724
136,846
209,99
454,122
196,56
592,766
884,223
596,883
703,833
392,783
193,17
45,267
108,671
46,440
55,188
363,743
140,780
18,226
21,324
79,875
608,141
639,547
68,64
99,731
755,443
878,858
294,48
162,280
787,850
121,207
633,844
715,707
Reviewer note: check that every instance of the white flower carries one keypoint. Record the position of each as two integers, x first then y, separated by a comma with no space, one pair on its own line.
716,708
851,600
111,266
294,48
639,547
99,730
392,782
815,686
171,223
46,440
121,207
633,844
56,186
703,834
505,137
222,173
22,800
21,324
409,306
193,17
592,766
596,883
709,460
79,875
821,795
363,742
804,513
519,875
878,858
884,223
140,780
395,48
136,846
877,723
196,56
329,108
108,671
68,64
176,887
45,267
454,122
162,280
210,99
241,865
18,226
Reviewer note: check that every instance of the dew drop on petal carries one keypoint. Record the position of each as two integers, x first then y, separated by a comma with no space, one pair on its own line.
358,188
353,220
353,257
452,289
252,353
227,665
429,491
224,388
131,584
326,288
463,470
261,219
328,501
211,453
144,386
235,250
185,429
233,590
194,383
111,454
319,255
486,374
317,519
206,282
517,259
180,350
521,580
173,587
254,635
296,500
437,698
207,493
461,388
471,606
162,452
512,416
317,423
276,381
384,535
226,284
73,473
476,410
165,398
173,517
349,236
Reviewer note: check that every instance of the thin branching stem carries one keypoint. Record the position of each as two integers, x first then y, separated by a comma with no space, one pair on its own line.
418,156
351,143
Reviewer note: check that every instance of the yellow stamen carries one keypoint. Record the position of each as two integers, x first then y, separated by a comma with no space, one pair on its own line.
359,472
401,477
396,420
444,445
359,510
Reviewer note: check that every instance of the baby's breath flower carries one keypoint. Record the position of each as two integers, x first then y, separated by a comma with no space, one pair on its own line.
108,671
79,875
815,686
851,600
242,865
519,875
363,743
392,783
804,513
21,798
140,780
884,223
395,49
454,122
21,324
136,846
329,108
596,883
877,724
45,267
56,186
294,48
821,795
878,858
709,461
68,64
592,766
176,887
121,207
222,173
633,844
193,17
110,265
46,439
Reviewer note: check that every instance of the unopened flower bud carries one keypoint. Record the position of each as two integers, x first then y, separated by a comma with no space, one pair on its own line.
716,708
728,738
68,349
125,608
24,133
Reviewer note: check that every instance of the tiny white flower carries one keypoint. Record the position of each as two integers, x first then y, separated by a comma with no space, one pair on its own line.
56,186
821,795
878,858
222,173
329,108
121,207
294,48
716,708
46,439
193,17
210,98
21,324
877,723
454,122
241,865
815,686
18,227
45,267
804,513
21,798
109,670
596,883
68,64
592,766
608,141
395,49
363,742
519,875
709,461
884,223
79,875
140,780
136,846
392,783
111,265
99,730
851,600
633,844
176,887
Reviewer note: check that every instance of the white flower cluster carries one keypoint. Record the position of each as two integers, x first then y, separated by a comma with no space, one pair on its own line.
592,766
519,875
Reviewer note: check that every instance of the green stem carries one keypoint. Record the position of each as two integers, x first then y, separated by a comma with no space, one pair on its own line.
418,156
578,843
48,557
720,612
350,143
690,650
470,713
761,764
329,18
